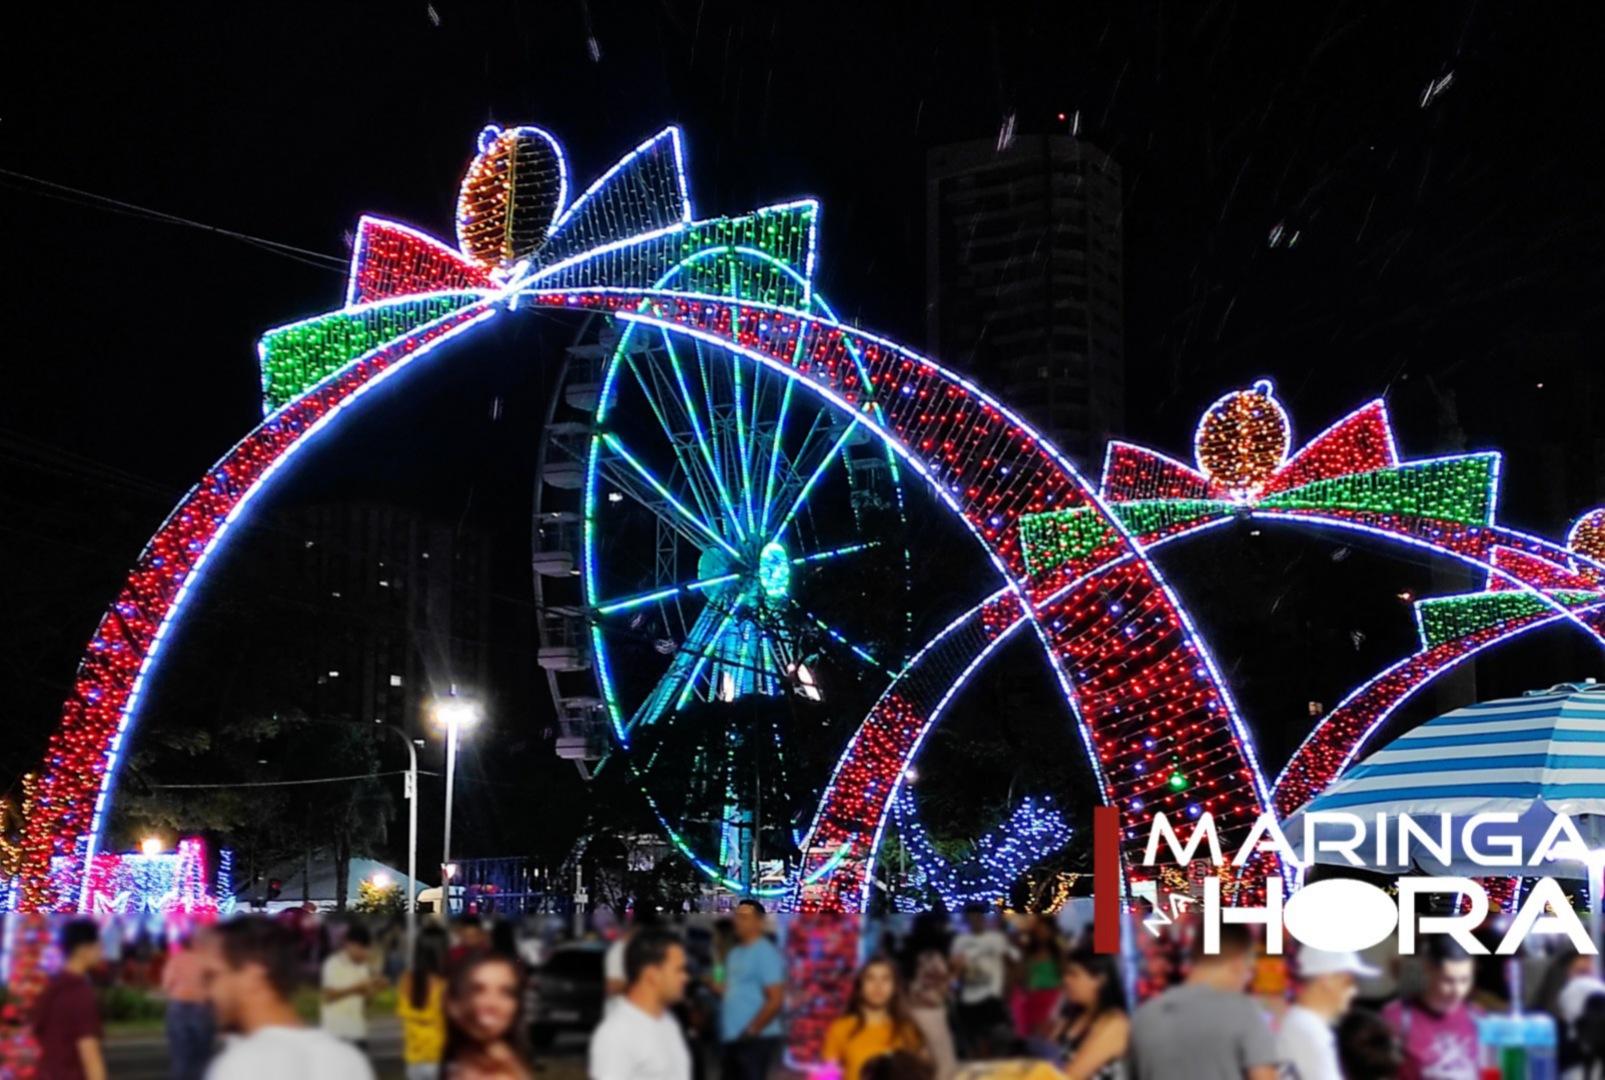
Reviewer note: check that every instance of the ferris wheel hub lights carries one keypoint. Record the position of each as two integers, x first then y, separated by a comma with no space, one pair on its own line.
774,570
713,562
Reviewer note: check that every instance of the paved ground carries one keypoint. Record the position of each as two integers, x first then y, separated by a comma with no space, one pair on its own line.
144,1056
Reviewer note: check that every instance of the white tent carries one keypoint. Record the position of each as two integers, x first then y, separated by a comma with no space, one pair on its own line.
320,888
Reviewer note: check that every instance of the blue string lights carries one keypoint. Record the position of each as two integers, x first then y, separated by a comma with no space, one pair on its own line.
1000,857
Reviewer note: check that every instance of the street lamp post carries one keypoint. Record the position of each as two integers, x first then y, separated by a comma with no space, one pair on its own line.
412,851
452,729
455,713
411,794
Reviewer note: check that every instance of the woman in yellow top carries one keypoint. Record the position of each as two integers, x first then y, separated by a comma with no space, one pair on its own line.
877,1022
421,1005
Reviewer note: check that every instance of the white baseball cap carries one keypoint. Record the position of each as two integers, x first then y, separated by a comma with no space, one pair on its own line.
1316,962
1574,997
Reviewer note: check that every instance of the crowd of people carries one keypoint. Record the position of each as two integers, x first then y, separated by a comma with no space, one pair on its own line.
1026,1002
233,1010
974,999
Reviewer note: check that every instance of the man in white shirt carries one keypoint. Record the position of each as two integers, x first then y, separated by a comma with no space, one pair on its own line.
616,979
640,1039
250,967
980,956
347,983
1306,1046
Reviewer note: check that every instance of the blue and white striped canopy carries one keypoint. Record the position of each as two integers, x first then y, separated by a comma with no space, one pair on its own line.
1500,755
1535,756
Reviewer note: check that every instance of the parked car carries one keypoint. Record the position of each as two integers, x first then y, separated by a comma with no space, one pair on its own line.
567,993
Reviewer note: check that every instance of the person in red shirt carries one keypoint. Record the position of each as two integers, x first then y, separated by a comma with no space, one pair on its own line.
468,940
191,1030
1438,1029
66,1018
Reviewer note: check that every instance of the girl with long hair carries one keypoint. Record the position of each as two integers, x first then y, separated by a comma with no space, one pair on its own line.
484,1025
421,1006
877,1022
1094,1030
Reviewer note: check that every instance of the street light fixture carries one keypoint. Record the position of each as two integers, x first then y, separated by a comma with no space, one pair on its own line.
410,793
454,714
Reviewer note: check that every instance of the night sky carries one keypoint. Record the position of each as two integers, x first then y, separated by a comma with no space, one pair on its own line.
1440,164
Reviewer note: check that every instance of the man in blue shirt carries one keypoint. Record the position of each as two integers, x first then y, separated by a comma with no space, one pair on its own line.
753,992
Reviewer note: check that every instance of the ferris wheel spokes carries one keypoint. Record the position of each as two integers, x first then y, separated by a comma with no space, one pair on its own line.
758,493
674,690
813,478
626,603
685,443
686,517
709,446
726,434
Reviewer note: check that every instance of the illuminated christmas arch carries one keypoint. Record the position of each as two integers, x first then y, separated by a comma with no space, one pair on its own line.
525,244
1071,557
1349,478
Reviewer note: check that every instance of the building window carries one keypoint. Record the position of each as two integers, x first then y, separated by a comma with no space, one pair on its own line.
395,680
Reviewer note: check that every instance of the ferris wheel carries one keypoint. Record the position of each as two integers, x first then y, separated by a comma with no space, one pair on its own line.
712,543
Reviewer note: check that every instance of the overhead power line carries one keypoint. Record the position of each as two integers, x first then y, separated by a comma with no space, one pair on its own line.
52,190
287,783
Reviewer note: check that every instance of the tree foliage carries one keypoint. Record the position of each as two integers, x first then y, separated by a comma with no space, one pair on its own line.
374,899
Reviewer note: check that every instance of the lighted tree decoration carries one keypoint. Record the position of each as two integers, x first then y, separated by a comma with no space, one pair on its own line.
30,937
379,898
13,821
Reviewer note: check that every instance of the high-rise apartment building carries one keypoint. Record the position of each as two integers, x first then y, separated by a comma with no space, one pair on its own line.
396,607
1023,280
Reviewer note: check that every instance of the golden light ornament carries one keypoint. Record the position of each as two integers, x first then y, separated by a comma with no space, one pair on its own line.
1243,438
1587,537
513,192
